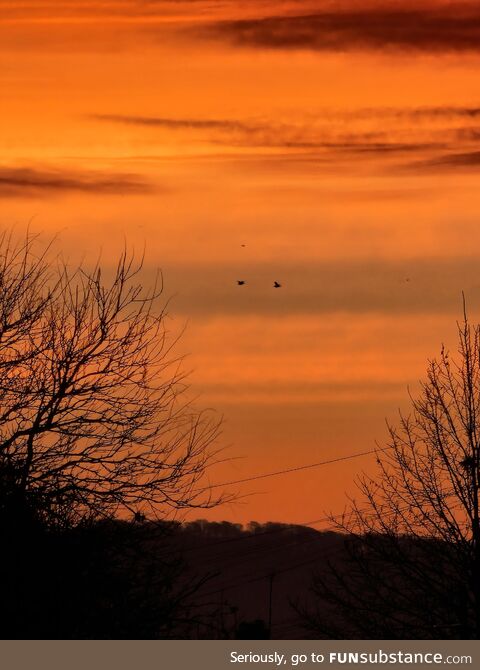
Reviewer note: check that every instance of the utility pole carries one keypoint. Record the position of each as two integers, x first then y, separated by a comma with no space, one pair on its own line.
271,577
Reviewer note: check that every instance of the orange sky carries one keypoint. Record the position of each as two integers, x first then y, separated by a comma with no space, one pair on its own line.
338,141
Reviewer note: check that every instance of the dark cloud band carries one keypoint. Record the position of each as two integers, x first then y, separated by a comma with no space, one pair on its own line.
430,28
467,159
409,286
175,124
30,182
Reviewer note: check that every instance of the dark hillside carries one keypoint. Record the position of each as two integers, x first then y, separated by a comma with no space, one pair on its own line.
245,566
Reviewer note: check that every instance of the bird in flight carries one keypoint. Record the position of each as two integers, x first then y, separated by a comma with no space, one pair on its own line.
240,282
276,284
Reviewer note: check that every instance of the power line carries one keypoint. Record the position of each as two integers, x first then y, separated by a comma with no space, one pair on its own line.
295,469
273,474
335,526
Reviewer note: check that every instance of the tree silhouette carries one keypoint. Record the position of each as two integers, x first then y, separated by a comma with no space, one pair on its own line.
92,419
411,568
98,444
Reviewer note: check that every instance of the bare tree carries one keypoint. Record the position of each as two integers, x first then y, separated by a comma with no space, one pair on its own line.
411,567
93,416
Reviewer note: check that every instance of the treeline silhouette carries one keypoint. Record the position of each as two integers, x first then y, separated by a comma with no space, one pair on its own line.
114,579
140,579
149,580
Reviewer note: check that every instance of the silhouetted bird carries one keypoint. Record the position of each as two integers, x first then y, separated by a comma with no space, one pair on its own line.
276,285
240,282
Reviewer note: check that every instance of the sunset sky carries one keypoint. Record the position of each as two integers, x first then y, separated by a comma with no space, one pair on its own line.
332,145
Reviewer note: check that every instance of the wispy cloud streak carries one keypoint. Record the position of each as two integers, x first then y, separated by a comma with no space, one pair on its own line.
177,124
467,159
31,182
301,136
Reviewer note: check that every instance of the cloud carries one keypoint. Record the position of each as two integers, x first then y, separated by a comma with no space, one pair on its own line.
254,134
30,182
440,112
433,27
176,124
305,391
195,123
337,25
416,286
397,139
467,159
468,134
354,145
